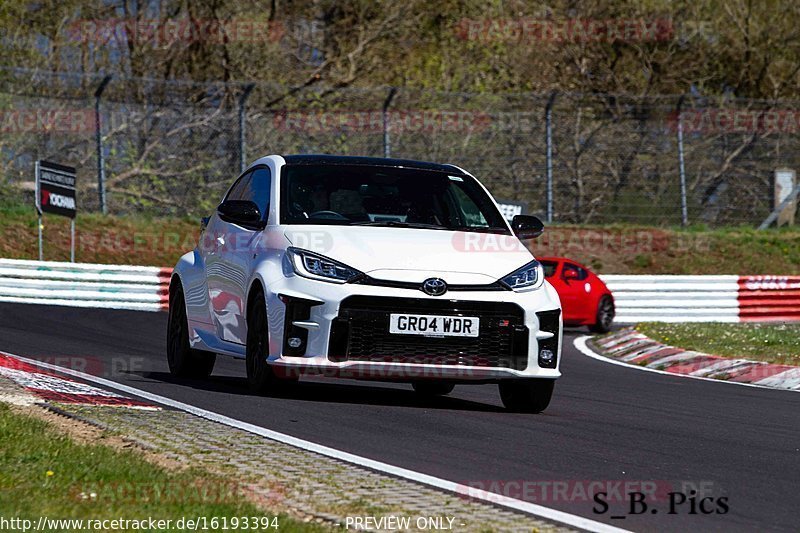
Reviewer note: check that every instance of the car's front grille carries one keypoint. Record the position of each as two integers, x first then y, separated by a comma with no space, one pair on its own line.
368,280
361,333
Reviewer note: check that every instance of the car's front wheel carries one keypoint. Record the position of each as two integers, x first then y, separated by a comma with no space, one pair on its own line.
183,361
260,376
527,395
432,388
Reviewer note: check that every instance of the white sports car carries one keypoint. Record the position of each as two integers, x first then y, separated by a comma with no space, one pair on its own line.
367,268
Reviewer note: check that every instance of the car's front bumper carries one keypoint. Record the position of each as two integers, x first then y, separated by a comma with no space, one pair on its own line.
508,346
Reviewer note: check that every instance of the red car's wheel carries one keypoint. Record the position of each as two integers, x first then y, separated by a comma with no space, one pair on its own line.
605,315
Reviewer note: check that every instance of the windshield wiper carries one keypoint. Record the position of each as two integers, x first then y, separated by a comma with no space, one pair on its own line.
481,229
399,224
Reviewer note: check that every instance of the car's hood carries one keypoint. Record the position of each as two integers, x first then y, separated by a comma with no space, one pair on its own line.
405,254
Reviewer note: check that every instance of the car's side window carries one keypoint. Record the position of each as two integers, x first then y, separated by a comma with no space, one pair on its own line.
258,189
239,191
582,273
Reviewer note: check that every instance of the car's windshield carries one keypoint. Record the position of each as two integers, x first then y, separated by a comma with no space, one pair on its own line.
386,196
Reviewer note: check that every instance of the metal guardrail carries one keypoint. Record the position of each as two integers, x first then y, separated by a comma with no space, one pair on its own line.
639,298
674,298
685,298
769,298
84,285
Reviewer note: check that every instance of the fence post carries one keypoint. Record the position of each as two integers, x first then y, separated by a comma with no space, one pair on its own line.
38,197
246,90
101,170
548,120
783,205
681,166
387,147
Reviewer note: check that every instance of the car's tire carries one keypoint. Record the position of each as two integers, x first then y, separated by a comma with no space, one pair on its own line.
527,395
604,317
260,376
183,361
433,388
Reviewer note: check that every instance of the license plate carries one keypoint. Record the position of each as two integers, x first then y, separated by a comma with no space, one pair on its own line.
434,325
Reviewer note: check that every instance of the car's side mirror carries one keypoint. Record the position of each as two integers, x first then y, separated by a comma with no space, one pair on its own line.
242,212
527,226
571,274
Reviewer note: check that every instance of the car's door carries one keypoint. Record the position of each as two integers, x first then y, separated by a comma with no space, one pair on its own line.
229,265
218,235
573,292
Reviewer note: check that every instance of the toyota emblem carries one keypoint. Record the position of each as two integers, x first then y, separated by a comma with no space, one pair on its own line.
434,286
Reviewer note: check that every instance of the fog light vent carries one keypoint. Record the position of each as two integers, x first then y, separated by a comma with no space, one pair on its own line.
548,348
295,338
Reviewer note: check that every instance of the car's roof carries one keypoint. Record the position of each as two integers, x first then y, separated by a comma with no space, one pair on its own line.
314,159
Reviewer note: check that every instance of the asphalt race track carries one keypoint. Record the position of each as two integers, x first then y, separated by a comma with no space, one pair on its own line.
606,423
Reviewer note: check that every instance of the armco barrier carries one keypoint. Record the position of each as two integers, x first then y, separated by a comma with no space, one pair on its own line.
675,298
705,298
84,285
683,298
642,298
769,298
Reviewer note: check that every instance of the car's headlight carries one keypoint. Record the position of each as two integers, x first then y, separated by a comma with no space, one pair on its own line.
315,266
531,276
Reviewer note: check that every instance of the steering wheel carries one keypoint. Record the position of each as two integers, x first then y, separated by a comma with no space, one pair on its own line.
328,215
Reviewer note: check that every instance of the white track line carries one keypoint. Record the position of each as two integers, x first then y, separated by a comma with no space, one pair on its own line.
418,477
580,344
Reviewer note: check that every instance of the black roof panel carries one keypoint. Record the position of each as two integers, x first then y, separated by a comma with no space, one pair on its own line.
314,159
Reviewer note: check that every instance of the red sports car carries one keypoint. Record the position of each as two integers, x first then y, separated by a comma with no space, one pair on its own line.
585,299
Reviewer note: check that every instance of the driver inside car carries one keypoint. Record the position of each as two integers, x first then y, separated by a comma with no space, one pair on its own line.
319,199
300,199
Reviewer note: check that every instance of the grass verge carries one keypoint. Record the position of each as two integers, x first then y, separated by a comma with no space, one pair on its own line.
771,343
129,240
45,473
624,249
